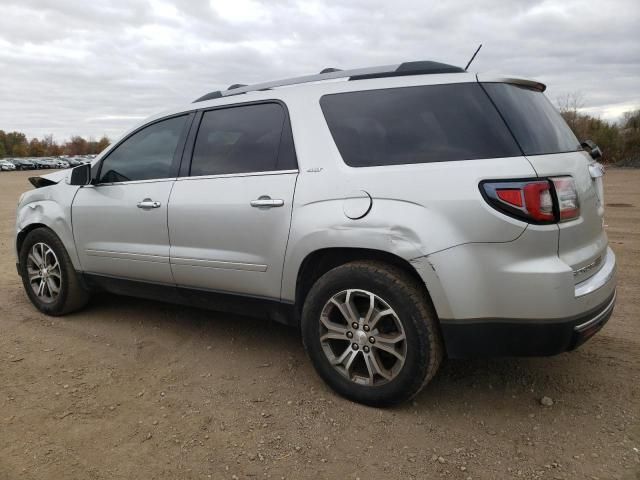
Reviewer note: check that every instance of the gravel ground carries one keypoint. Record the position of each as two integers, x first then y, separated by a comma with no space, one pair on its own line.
132,389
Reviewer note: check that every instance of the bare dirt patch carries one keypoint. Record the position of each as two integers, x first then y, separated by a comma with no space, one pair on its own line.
132,389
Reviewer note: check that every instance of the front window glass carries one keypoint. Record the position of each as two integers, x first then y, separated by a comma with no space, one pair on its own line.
145,155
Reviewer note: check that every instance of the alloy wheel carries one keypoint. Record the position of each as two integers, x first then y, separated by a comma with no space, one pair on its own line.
43,269
362,337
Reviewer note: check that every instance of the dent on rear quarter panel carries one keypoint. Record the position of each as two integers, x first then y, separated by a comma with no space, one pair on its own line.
417,209
51,206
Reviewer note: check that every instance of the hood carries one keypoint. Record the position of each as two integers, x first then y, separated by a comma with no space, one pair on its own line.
48,179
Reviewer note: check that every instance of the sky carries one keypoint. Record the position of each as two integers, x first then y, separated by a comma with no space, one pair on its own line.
77,67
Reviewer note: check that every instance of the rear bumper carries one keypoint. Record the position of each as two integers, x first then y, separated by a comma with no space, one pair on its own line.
522,337
517,298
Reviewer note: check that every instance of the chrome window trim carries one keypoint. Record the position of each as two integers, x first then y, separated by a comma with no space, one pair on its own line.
244,174
133,182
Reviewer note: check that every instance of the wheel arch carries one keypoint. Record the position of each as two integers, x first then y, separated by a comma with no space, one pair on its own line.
22,234
319,262
51,215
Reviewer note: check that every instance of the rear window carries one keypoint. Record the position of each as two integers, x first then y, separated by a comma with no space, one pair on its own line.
536,124
435,123
242,139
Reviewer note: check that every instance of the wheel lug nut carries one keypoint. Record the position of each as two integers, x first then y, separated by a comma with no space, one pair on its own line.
354,346
366,349
355,325
372,339
349,335
366,328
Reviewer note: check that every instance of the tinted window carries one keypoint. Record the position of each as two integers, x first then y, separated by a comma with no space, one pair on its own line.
146,154
416,125
536,124
250,138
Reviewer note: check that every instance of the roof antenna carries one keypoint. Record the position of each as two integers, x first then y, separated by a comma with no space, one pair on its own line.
472,58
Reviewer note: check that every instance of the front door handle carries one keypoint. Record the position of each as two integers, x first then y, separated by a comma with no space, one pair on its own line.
266,201
148,203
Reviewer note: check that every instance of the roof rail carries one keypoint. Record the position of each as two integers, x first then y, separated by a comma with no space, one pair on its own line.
407,68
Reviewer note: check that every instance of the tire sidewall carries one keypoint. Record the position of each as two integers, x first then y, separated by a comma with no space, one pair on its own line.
50,239
415,368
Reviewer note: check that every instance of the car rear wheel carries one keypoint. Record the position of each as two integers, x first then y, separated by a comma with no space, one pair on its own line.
48,276
371,333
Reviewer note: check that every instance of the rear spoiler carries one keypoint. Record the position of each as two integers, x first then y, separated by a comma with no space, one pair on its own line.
532,84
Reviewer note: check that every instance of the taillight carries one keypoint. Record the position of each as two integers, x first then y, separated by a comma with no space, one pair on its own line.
538,201
535,201
567,195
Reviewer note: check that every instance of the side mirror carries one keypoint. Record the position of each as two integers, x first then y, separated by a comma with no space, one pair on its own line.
593,149
81,175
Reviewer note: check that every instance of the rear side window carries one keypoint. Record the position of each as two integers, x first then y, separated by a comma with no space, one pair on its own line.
147,154
536,124
249,138
435,123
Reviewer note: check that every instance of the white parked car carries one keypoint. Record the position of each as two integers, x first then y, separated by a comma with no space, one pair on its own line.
6,165
395,214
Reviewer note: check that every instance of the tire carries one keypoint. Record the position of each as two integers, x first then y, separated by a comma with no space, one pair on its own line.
374,375
70,295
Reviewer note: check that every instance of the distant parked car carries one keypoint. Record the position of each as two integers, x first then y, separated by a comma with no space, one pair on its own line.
43,163
23,163
6,165
73,162
54,163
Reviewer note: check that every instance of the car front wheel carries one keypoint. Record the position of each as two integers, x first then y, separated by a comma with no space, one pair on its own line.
371,333
48,276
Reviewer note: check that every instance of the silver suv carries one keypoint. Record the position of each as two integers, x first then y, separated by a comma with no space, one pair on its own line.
394,214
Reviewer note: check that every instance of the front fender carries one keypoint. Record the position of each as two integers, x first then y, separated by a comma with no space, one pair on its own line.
51,207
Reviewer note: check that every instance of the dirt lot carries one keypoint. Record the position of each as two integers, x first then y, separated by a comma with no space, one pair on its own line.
134,389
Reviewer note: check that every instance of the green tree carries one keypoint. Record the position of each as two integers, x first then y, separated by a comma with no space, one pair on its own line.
3,147
103,143
16,144
76,146
36,148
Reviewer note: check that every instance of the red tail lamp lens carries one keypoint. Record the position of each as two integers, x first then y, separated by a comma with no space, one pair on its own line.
538,200
511,195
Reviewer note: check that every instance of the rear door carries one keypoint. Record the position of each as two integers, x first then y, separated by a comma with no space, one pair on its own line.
229,217
553,150
120,222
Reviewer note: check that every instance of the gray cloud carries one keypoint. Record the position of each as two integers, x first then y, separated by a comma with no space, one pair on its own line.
76,67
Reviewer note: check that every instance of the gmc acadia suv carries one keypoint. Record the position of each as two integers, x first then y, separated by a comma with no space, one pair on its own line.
394,214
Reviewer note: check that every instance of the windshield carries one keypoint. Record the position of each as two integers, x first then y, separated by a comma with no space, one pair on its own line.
533,120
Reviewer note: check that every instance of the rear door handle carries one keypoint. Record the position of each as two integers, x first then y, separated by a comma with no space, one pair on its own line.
148,203
266,201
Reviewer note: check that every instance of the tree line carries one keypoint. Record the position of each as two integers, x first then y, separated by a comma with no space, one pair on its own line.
16,144
619,142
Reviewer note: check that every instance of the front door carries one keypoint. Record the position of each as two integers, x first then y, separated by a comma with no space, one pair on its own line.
229,219
120,222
